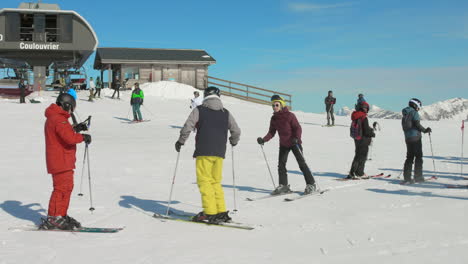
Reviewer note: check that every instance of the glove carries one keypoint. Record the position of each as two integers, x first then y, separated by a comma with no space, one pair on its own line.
295,141
374,125
80,127
178,145
86,138
428,130
260,141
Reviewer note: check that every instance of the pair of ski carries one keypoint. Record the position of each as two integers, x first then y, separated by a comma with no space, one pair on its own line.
187,218
433,178
78,230
301,195
136,122
380,175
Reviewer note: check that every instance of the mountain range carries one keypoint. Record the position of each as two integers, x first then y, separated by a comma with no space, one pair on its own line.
456,108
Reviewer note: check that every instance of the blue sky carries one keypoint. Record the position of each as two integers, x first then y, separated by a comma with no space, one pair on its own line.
388,50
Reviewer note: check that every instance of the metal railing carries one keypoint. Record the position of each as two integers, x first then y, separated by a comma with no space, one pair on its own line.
247,92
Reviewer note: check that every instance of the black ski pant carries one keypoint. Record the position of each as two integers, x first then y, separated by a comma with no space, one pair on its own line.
22,96
98,92
118,93
283,158
330,115
413,154
360,157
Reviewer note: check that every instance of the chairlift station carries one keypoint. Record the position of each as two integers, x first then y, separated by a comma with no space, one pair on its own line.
41,36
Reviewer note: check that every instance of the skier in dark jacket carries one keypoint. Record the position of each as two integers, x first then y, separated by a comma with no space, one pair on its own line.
61,140
330,101
412,129
136,101
290,132
22,88
362,134
213,122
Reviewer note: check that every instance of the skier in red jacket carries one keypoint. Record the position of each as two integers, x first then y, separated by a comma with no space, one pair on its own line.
61,139
290,132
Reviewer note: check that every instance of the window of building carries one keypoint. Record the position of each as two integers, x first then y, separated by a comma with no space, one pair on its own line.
51,29
26,27
132,73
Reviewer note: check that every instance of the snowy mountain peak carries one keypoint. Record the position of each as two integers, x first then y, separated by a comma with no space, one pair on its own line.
456,108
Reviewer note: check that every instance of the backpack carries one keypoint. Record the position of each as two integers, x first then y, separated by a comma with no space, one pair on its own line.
355,130
407,122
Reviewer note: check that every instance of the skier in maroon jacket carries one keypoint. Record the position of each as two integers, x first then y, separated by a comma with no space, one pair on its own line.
289,131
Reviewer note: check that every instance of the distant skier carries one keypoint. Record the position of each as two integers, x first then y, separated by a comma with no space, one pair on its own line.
61,139
196,101
412,130
136,101
22,88
362,134
92,87
289,131
212,121
330,101
98,87
116,85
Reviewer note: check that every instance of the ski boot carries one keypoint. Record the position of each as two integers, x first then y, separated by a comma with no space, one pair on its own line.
281,189
55,222
406,182
310,188
72,222
419,180
202,217
224,217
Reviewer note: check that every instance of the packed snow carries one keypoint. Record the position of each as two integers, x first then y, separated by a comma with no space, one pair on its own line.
132,165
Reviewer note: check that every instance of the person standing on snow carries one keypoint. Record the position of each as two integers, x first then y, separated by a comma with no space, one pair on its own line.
196,101
289,131
212,121
22,88
362,134
92,87
330,101
412,130
136,101
98,87
61,139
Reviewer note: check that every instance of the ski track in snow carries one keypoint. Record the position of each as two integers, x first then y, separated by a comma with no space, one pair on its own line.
367,221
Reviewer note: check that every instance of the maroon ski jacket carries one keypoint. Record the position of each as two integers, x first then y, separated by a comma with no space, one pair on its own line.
287,126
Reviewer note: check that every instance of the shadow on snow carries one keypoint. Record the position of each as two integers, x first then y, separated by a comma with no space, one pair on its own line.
25,212
150,206
413,193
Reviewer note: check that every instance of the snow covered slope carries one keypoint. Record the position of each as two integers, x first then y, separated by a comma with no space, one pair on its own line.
132,165
456,108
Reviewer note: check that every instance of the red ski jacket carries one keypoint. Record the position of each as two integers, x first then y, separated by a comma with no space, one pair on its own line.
288,127
60,139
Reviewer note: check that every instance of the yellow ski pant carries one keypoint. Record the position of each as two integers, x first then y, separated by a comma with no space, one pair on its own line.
209,177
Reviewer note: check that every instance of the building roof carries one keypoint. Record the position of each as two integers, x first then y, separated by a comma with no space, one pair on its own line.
139,55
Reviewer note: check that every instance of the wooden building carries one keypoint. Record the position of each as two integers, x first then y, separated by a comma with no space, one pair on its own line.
130,65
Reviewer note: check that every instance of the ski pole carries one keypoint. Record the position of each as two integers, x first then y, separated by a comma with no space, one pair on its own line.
461,160
91,208
172,186
268,166
82,173
234,180
148,110
432,152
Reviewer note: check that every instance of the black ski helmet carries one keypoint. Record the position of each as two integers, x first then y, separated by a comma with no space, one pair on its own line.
66,101
211,90
415,103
